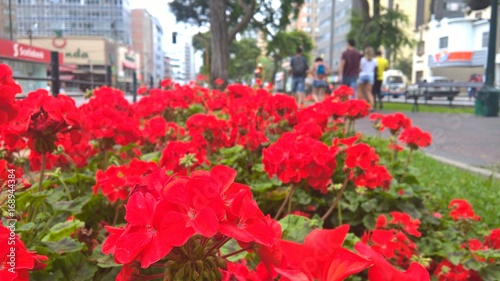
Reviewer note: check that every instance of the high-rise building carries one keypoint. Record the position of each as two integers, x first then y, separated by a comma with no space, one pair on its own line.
146,39
8,19
307,21
107,18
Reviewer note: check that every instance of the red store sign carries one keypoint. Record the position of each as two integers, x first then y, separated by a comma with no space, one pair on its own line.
19,51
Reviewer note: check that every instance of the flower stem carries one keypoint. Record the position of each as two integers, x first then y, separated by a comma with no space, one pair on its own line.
42,171
117,212
288,197
408,160
236,252
290,201
339,209
336,201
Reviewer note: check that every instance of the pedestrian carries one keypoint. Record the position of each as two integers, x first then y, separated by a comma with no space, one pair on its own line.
298,70
319,72
382,66
349,65
368,65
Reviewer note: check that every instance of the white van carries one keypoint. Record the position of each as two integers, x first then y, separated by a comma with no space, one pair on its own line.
394,83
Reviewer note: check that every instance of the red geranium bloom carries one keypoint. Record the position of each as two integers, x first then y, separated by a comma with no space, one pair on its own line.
23,261
144,238
343,92
142,90
322,256
395,122
406,222
447,271
493,240
415,138
218,81
166,83
462,210
8,90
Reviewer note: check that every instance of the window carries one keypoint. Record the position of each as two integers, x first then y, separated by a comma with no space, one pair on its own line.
486,39
421,48
479,16
443,42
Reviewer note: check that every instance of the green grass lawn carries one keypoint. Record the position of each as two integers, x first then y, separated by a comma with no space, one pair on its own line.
445,182
393,106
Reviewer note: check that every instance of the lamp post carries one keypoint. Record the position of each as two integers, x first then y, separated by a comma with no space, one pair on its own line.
488,97
10,21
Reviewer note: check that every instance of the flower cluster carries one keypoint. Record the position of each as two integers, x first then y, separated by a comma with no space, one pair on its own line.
15,259
8,90
294,157
206,209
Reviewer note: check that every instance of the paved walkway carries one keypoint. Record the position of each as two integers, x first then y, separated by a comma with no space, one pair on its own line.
463,138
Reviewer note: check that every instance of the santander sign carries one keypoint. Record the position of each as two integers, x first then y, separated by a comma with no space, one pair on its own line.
28,52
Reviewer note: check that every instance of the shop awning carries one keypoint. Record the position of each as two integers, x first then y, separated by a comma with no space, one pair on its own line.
66,77
129,65
67,67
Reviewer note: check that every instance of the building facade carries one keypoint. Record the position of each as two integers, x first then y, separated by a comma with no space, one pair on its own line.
8,19
146,39
105,18
455,48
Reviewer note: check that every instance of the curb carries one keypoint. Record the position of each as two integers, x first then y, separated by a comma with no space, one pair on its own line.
466,167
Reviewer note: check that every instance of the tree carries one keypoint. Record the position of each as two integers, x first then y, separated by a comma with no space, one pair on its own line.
383,28
229,17
242,66
284,44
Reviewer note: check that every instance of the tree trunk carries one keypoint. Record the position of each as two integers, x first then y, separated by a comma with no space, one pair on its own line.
365,11
376,9
219,38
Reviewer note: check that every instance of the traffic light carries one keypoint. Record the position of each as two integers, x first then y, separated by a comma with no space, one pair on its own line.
174,37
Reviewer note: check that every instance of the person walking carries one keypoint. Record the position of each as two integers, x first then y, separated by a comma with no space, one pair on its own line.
299,73
382,66
368,65
349,65
319,72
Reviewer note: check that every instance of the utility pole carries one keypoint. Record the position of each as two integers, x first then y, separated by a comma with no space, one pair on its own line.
11,30
488,97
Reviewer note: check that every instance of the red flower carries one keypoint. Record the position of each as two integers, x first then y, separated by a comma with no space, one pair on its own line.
245,222
343,93
382,270
415,138
218,81
145,237
395,122
154,129
42,117
8,90
446,271
142,90
116,182
322,256
15,260
408,224
166,83
493,240
462,210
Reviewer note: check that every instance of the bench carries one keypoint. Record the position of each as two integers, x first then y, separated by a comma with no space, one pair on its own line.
437,89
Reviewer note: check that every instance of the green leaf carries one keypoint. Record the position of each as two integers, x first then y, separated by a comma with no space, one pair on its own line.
295,228
103,261
370,205
230,247
152,156
26,227
63,229
369,221
74,206
76,267
65,245
456,257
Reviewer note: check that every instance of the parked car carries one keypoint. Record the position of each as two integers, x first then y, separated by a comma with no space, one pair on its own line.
394,83
430,92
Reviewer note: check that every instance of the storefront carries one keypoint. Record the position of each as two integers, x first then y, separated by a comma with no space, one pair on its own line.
85,59
128,66
26,62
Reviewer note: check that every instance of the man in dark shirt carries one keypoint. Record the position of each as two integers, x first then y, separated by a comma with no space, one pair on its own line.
298,70
349,65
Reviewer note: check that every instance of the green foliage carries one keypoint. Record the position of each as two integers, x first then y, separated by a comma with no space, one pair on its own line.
385,30
295,228
242,65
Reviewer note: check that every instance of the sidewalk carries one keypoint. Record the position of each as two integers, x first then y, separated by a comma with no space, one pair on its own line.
464,139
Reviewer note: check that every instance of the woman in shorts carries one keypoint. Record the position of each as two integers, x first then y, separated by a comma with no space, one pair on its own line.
367,67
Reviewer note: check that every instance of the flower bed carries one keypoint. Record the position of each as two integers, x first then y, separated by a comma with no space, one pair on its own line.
197,184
